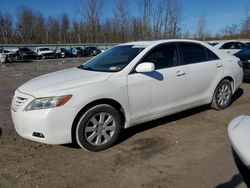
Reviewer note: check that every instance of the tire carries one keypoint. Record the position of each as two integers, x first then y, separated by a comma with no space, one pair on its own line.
222,96
3,59
99,128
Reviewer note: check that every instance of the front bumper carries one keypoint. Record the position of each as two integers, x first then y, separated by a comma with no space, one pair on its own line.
54,124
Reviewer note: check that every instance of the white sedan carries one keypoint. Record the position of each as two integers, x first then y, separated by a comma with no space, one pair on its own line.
127,85
231,46
239,131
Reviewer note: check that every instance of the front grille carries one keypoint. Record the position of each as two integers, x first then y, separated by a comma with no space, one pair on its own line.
17,103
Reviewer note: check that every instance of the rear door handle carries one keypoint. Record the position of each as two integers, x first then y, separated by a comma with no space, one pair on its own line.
218,65
180,73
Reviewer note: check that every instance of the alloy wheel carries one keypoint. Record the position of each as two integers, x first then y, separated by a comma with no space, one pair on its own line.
100,128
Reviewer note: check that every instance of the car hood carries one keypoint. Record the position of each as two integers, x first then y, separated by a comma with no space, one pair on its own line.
52,83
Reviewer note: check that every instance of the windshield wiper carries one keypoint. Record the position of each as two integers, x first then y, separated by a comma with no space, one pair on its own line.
85,68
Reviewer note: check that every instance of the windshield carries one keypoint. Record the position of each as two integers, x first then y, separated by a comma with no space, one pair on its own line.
242,46
44,49
114,59
24,49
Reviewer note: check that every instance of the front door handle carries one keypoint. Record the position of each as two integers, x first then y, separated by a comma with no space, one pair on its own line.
180,73
218,65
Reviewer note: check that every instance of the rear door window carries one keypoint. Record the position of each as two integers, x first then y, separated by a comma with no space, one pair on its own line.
192,53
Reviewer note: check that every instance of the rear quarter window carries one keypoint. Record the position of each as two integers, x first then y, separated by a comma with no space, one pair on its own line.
211,55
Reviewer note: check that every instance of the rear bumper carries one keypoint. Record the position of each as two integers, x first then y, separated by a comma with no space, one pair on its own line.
246,70
246,73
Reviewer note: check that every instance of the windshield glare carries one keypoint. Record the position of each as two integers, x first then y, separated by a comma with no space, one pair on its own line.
114,59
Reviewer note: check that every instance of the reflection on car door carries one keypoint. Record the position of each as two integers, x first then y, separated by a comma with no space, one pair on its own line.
161,90
203,71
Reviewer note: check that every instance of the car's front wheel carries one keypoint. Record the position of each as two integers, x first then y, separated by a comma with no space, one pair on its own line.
99,128
222,96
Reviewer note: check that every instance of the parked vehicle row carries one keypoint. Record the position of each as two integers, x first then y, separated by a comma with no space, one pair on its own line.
25,54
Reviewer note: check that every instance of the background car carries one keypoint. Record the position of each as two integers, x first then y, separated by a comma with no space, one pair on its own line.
8,55
231,47
44,52
25,54
213,43
239,131
247,42
77,52
92,51
80,52
62,53
244,56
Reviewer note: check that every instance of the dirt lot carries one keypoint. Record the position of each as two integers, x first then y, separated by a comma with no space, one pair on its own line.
190,149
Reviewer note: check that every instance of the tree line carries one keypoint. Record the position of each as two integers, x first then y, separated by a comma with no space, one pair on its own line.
155,20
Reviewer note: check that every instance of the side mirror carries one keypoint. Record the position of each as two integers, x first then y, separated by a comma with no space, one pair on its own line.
145,67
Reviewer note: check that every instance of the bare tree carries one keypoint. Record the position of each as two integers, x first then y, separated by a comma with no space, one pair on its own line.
136,25
53,30
39,29
65,24
201,27
25,21
145,7
6,28
75,32
167,18
245,27
91,11
230,31
172,19
158,19
122,18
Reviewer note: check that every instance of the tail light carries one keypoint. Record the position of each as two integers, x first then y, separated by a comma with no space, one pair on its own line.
240,63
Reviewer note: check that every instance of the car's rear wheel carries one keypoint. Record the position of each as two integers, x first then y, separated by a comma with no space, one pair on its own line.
222,96
99,128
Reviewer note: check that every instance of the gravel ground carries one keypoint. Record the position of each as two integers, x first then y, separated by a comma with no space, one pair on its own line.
189,149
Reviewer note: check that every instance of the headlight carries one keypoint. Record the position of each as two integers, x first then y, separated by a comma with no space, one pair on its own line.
48,102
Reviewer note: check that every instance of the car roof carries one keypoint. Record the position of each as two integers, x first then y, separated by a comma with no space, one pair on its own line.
144,44
220,43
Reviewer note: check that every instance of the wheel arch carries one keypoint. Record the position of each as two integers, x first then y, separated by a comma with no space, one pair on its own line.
231,80
108,101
